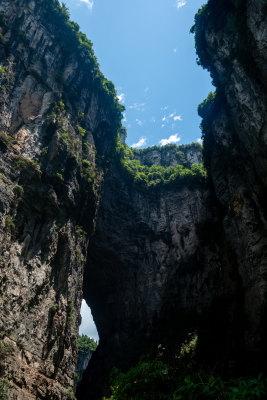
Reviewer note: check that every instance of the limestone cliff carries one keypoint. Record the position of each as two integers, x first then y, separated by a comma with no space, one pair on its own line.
56,122
193,259
156,249
170,155
235,134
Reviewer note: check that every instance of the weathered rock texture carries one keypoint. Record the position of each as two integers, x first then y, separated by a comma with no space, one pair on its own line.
158,263
81,365
194,259
170,155
49,195
236,148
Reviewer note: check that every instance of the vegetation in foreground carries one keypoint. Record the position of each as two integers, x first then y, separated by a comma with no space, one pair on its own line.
156,380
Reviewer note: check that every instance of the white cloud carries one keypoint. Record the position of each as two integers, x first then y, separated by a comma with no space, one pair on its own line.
199,140
172,139
175,50
137,106
180,4
153,120
141,142
139,122
121,97
89,3
170,117
162,126
164,108
124,117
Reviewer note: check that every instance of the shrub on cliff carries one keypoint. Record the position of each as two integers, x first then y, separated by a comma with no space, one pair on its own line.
3,389
86,344
155,176
72,40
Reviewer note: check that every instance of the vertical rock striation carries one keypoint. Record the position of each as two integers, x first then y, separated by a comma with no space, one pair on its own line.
55,116
155,262
235,132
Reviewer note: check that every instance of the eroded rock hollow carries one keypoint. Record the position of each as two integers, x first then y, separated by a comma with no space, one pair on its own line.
156,259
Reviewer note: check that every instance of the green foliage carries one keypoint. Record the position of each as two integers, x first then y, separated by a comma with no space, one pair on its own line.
154,176
81,130
207,111
216,388
80,231
53,308
18,190
77,378
211,17
71,395
206,107
5,349
4,389
24,162
60,176
78,252
155,380
86,344
64,137
6,72
72,40
145,381
86,163
201,19
10,224
12,140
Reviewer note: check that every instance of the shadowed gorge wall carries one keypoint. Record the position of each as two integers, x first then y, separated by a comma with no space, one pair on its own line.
155,259
194,259
56,120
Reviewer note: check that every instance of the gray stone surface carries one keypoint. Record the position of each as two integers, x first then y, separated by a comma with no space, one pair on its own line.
154,264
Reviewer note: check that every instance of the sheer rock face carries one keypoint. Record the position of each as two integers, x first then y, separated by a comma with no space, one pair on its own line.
47,204
170,155
236,157
148,247
193,258
162,263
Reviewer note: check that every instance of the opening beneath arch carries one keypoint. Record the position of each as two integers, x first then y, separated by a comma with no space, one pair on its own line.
88,326
87,342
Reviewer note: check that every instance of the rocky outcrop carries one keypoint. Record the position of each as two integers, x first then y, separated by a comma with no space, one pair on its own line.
193,259
155,263
234,125
81,365
50,183
170,155
148,247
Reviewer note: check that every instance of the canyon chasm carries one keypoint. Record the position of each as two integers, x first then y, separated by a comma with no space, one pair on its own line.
155,260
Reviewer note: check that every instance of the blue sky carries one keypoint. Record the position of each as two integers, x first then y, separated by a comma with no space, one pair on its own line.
144,47
87,326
